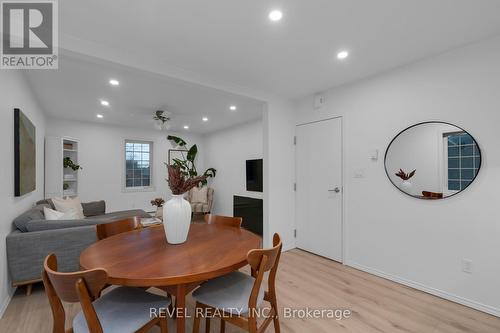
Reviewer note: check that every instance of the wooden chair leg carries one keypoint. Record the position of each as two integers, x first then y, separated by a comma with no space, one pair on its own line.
196,322
29,289
276,323
171,305
276,319
163,325
222,326
207,325
252,325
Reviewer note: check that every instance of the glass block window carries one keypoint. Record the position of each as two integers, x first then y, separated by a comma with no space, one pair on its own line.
138,159
464,160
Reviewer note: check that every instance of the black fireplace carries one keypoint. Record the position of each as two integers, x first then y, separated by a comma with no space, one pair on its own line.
251,210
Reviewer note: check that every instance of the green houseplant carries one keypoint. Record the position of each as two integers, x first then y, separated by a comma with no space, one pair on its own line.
68,163
186,164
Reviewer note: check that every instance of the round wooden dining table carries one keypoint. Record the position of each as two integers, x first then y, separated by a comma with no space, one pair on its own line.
143,258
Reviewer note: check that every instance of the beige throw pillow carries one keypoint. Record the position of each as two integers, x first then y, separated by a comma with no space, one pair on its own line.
51,214
65,205
199,195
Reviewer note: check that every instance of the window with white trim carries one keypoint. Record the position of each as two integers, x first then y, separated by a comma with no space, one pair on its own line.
462,161
138,165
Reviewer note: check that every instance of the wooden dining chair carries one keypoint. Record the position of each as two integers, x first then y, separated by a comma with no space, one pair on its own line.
236,296
106,230
225,220
120,308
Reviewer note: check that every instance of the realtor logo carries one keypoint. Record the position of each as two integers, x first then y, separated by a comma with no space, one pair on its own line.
29,35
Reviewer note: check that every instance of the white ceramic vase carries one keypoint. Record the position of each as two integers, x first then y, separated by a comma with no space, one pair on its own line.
407,187
176,219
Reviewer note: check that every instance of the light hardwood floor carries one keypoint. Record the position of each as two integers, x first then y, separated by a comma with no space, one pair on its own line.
306,280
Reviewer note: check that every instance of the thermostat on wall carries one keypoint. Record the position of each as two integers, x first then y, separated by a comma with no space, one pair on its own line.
319,101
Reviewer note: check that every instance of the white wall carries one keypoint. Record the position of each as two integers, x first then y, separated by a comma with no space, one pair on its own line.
279,172
418,242
227,152
15,93
101,157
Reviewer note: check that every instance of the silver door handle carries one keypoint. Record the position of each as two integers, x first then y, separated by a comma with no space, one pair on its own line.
336,190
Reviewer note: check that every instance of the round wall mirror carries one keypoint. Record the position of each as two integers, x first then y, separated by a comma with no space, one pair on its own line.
432,160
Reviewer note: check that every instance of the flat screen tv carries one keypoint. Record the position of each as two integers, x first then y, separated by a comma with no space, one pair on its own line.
254,175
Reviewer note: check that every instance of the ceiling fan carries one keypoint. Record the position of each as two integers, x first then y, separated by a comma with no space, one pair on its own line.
162,119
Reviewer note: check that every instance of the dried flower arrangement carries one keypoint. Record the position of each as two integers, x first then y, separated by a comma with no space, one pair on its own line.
179,183
158,202
405,176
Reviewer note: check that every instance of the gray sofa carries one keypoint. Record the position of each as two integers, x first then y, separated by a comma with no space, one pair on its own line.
34,238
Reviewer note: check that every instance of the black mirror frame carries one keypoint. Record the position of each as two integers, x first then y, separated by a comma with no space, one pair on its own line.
432,122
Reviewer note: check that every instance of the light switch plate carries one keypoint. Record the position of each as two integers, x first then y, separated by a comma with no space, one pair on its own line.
467,266
319,101
359,173
374,155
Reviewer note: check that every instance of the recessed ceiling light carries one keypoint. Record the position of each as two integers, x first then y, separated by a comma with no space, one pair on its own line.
233,108
104,102
186,127
342,55
275,15
100,116
114,82
204,119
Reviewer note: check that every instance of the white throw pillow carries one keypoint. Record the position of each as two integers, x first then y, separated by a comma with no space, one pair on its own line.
51,214
199,195
64,205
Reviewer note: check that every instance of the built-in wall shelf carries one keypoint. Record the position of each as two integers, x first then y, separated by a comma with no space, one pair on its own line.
60,181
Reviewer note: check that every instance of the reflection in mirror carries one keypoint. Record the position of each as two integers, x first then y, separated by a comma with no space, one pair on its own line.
432,160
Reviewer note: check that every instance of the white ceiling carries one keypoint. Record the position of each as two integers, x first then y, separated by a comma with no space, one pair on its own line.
74,92
233,41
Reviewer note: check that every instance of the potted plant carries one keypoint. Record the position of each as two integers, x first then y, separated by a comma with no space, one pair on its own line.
182,176
406,186
158,203
68,163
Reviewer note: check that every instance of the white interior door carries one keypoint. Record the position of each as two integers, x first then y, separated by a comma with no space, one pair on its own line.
319,187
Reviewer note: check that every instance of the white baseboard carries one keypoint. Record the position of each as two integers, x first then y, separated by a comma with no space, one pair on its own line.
433,291
5,302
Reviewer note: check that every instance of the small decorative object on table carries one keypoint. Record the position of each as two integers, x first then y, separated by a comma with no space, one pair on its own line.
158,203
406,185
182,176
150,221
